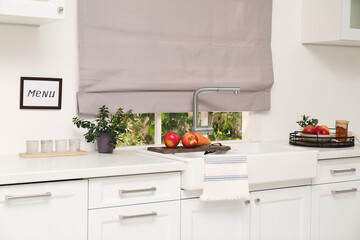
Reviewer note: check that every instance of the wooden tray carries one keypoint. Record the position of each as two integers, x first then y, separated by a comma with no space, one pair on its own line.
53,154
182,149
322,144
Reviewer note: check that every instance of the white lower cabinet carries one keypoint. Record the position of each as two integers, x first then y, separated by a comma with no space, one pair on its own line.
138,207
43,211
336,211
160,221
225,220
281,214
149,207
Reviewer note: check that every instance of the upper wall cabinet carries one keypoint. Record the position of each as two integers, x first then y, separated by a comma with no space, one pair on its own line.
31,12
331,22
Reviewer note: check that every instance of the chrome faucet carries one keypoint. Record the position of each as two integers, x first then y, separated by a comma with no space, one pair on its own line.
207,130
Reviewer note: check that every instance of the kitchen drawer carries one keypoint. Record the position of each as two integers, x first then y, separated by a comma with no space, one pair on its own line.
337,170
126,190
160,221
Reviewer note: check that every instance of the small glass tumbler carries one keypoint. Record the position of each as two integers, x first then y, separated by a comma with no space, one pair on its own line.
46,146
74,145
32,146
60,145
342,130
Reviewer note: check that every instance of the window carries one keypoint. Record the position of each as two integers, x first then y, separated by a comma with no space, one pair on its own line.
150,129
143,131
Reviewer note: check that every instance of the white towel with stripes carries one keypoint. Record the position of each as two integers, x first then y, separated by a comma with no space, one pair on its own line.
225,178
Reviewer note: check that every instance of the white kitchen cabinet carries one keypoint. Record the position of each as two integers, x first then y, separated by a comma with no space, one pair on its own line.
228,220
335,22
135,207
337,170
31,12
336,211
125,190
160,221
43,211
281,214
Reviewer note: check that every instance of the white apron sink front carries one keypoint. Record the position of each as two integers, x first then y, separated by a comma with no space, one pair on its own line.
268,164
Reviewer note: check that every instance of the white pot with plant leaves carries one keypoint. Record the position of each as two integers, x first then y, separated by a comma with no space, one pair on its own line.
107,128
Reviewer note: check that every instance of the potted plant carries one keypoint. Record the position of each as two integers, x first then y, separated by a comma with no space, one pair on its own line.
107,128
306,121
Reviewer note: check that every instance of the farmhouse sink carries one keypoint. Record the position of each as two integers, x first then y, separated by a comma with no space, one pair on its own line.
268,163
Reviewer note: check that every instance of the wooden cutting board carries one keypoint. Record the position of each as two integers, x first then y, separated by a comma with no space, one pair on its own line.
52,154
182,149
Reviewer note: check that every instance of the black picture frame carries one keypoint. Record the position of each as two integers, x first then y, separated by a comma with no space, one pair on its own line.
40,93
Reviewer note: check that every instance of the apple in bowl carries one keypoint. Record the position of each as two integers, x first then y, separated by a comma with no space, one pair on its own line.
189,140
309,129
322,130
171,139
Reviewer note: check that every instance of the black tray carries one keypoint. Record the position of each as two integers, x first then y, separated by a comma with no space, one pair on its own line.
299,139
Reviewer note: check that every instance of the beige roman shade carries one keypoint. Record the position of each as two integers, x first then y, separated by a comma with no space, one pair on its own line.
151,55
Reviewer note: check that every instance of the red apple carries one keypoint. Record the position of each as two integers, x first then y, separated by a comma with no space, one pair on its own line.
322,130
189,140
171,139
309,129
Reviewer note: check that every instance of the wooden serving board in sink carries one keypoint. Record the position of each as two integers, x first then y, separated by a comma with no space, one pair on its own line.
182,149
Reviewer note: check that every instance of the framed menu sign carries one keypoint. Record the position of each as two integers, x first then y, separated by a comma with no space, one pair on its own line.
40,93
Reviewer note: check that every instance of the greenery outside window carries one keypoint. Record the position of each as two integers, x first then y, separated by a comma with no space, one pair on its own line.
150,128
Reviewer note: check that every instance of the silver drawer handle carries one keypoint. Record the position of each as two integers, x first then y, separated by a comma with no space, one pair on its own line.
257,200
10,197
247,202
152,189
343,171
344,191
138,215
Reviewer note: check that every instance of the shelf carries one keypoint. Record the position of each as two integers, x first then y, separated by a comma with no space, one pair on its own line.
31,12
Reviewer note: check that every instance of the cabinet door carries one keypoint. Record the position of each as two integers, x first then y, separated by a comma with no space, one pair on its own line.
44,211
281,214
228,220
336,211
335,22
160,221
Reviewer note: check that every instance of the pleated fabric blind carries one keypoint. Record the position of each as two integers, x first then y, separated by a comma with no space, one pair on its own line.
151,55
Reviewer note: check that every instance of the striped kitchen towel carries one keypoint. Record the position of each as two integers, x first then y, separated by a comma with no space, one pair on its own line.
225,178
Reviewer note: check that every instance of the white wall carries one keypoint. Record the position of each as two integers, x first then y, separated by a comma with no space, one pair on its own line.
47,51
321,81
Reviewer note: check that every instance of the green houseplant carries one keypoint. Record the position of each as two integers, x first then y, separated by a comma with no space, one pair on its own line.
306,120
107,128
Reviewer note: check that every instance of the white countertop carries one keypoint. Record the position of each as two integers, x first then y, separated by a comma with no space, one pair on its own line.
14,169
329,153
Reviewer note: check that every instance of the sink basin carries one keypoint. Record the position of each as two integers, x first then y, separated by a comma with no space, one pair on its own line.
268,163
242,148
